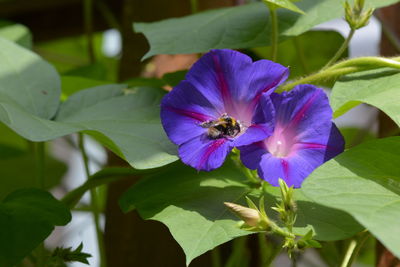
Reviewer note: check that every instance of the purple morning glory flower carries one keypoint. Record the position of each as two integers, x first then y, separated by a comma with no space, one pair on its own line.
216,107
304,137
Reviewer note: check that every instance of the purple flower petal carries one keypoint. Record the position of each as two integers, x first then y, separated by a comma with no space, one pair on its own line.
263,124
217,106
204,154
235,79
183,110
304,137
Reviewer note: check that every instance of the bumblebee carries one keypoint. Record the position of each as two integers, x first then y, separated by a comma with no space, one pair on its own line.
225,126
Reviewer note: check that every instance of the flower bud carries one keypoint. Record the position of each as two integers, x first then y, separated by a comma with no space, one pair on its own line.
287,197
355,16
250,216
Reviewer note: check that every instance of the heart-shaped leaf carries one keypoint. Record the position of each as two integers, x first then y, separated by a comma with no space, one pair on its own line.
190,204
244,26
364,182
379,88
17,33
127,121
130,119
305,53
27,217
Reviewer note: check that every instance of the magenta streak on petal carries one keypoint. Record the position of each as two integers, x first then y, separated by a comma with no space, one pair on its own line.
312,145
209,150
296,119
191,114
285,167
304,145
226,96
266,89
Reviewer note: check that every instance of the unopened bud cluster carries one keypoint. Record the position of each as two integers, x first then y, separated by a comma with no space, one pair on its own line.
287,207
256,219
355,16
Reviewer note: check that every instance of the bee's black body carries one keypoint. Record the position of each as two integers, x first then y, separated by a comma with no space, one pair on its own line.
225,126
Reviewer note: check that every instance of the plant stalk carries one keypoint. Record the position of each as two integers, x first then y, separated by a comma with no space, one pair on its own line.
274,32
346,67
216,257
300,52
194,6
341,50
268,250
103,177
353,249
88,23
94,204
40,177
40,164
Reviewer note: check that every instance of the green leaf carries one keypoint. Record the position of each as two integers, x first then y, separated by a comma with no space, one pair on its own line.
364,182
379,88
74,84
127,121
16,172
146,82
96,71
304,54
27,81
130,119
16,33
190,204
322,220
27,217
62,255
7,151
11,139
284,4
355,136
243,26
173,78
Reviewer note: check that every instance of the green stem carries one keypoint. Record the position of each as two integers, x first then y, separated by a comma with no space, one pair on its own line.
370,62
88,21
346,67
239,255
108,15
250,175
194,6
103,177
279,231
268,250
40,177
94,203
320,76
341,50
253,178
274,32
40,164
294,260
300,52
262,245
216,257
353,249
